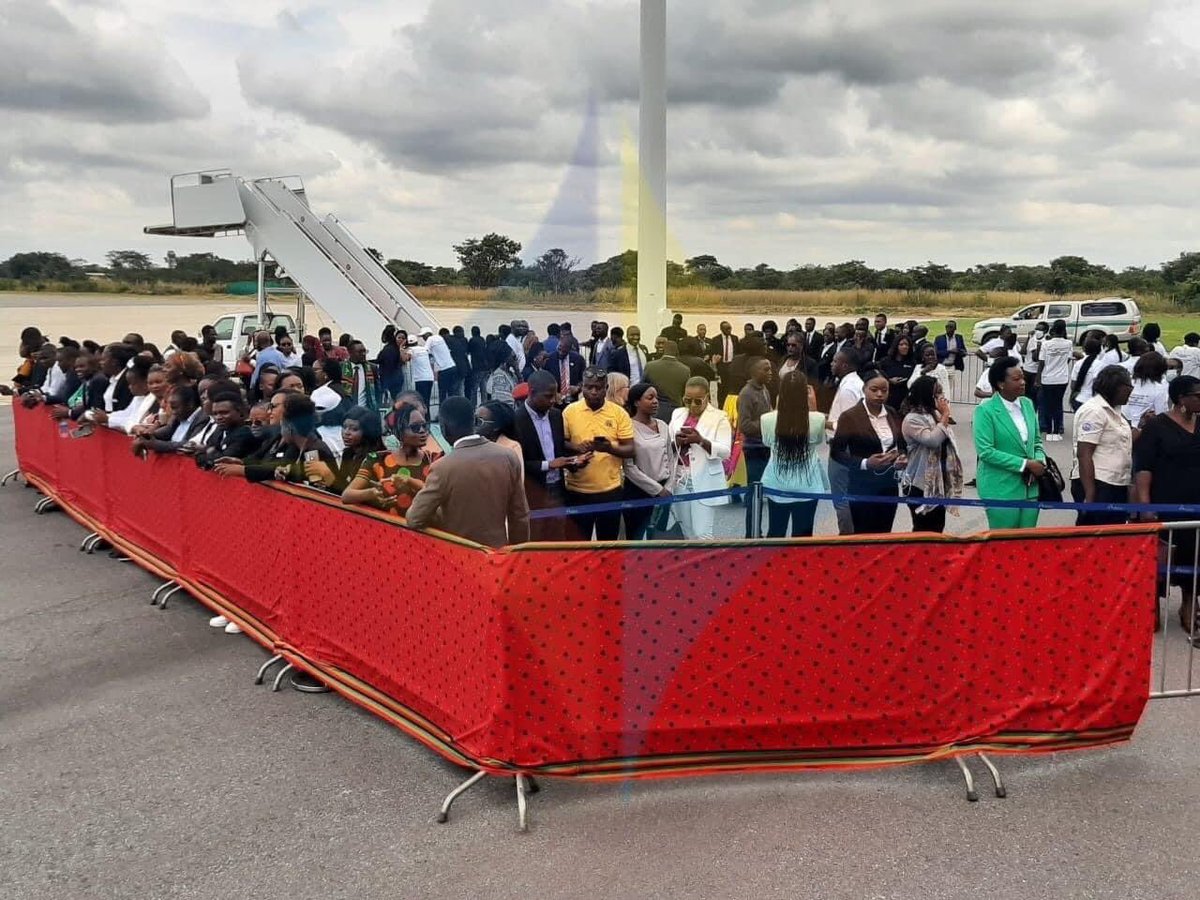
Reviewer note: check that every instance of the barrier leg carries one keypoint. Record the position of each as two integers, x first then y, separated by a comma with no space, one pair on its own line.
522,805
98,544
444,813
11,476
996,779
87,539
972,795
158,590
279,677
45,505
265,667
162,601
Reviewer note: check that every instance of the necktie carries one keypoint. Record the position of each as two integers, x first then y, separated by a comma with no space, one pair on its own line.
564,378
727,356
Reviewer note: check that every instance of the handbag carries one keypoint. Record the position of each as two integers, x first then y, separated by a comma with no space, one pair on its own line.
1050,483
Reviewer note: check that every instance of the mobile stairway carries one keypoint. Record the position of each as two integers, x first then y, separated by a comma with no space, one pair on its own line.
319,254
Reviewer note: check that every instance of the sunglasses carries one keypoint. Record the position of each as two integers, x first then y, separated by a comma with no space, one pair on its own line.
417,427
697,402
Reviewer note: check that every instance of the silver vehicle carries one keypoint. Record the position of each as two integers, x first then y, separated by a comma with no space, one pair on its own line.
1084,318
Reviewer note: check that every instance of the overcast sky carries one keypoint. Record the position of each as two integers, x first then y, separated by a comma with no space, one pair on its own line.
893,132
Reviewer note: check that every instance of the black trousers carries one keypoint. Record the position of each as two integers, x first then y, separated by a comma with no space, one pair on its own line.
934,520
1105,493
756,457
448,384
1050,407
637,521
800,516
425,389
606,524
874,518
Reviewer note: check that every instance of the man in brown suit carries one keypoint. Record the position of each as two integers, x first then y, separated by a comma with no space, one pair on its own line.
477,489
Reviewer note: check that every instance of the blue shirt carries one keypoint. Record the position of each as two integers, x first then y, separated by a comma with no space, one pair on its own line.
812,478
269,357
541,424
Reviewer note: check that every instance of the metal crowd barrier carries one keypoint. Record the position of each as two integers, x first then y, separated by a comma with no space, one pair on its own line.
1178,575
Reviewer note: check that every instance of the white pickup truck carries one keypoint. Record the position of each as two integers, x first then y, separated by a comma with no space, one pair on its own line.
235,331
1084,319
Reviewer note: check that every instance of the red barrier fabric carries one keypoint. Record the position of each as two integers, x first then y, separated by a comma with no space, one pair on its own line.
654,659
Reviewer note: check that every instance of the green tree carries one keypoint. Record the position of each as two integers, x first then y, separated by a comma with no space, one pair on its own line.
486,260
1185,267
411,272
933,277
554,268
705,268
128,261
38,265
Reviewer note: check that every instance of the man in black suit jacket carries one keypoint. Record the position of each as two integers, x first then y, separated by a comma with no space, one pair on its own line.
814,341
567,368
882,336
723,349
545,464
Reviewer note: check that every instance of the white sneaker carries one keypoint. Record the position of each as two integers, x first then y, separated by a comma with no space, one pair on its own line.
232,628
218,622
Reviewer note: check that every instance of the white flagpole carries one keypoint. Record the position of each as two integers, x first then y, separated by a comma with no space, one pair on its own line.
652,173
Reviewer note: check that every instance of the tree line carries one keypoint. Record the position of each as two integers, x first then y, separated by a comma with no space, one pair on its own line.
494,260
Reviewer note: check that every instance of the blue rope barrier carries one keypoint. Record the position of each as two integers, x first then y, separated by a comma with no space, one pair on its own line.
1183,509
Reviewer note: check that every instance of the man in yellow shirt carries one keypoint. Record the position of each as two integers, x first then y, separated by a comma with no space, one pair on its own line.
594,424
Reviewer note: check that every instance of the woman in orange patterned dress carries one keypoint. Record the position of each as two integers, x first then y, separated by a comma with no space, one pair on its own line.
390,480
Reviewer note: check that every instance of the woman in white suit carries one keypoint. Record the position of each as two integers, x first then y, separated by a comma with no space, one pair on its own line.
702,438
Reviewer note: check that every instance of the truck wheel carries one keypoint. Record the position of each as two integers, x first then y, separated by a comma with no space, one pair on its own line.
990,336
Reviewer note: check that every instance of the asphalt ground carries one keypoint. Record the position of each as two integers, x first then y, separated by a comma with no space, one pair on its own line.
138,760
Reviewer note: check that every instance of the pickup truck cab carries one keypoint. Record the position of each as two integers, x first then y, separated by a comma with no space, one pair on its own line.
1084,318
235,331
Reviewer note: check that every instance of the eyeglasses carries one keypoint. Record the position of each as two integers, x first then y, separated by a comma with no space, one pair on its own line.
482,423
699,401
417,427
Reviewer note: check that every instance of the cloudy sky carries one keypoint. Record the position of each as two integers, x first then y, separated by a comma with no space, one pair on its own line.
893,132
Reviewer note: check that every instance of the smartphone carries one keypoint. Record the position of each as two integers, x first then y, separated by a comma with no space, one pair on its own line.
312,456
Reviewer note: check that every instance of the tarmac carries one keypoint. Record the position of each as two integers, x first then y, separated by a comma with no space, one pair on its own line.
138,760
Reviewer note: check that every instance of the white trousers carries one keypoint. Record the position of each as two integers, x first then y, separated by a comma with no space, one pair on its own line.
694,517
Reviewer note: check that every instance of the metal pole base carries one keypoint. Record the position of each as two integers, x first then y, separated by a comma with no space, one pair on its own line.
265,667
87,540
11,476
162,601
45,505
524,783
997,781
158,590
279,677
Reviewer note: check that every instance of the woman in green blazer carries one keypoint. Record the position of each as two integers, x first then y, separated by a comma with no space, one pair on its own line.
1009,461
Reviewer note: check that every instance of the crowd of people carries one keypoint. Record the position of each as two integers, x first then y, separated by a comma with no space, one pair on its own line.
588,423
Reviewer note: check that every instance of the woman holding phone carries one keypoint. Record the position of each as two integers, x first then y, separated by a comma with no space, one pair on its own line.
869,442
702,438
389,481
284,458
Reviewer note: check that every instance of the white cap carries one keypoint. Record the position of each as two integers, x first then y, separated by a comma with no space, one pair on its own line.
426,331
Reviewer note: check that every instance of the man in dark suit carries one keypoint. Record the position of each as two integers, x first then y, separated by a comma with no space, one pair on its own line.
675,331
631,357
814,341
724,348
477,348
477,490
567,368
539,429
882,336
691,354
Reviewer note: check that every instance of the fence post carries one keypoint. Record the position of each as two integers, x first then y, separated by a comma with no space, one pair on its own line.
756,509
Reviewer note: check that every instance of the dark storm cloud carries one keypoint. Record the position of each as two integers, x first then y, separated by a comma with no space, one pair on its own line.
55,64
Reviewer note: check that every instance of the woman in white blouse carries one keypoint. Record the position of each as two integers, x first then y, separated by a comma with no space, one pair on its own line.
702,439
648,474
